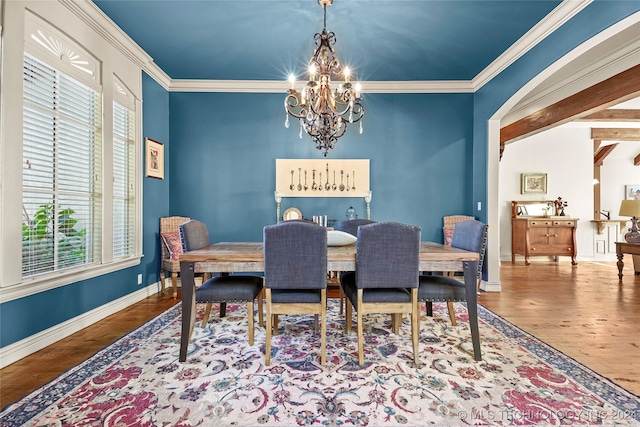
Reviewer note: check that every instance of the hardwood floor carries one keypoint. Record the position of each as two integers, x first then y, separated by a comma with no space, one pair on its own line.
581,310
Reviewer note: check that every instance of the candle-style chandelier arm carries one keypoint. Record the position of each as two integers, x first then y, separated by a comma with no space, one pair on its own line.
352,105
294,106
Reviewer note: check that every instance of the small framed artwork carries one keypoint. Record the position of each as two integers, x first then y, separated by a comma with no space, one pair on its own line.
533,183
155,159
632,192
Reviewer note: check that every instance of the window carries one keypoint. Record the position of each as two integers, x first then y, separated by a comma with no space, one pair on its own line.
123,173
61,194
74,152
80,214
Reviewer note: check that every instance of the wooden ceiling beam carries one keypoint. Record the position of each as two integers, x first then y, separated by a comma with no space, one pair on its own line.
615,134
621,87
612,115
602,154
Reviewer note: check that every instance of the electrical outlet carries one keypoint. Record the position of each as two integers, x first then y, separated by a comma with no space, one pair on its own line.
139,279
479,206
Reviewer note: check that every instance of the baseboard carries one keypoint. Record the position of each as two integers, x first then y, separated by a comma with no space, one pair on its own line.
490,286
581,258
16,351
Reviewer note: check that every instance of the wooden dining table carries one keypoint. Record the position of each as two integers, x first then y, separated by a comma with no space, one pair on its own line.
248,257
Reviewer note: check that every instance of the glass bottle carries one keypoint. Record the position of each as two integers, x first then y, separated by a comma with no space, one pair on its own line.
351,213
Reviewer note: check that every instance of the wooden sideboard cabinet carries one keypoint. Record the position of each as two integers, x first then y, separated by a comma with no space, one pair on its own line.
543,236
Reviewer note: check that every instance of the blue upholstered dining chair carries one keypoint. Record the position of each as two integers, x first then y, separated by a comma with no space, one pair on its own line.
351,225
295,275
469,235
348,226
222,289
386,278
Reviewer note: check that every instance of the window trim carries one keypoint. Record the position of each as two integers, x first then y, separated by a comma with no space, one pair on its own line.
36,284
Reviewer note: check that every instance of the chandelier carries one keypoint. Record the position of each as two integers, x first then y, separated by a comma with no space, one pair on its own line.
324,113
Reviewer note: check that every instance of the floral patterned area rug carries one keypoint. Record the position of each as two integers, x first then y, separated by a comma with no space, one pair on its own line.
138,380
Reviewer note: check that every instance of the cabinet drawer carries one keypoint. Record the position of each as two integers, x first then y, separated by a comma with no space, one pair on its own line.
551,250
564,223
540,223
561,249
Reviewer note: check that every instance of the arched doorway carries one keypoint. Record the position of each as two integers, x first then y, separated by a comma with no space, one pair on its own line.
567,77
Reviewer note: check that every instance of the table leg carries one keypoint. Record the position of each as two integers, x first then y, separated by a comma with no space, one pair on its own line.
620,265
470,284
188,305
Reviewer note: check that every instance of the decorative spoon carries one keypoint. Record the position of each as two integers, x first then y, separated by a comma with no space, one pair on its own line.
291,187
341,180
299,183
347,182
313,184
327,186
306,187
334,186
320,185
353,181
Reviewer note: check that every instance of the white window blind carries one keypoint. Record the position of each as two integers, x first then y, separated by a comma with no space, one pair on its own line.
123,181
61,201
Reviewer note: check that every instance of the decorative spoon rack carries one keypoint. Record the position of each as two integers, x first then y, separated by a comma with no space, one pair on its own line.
322,178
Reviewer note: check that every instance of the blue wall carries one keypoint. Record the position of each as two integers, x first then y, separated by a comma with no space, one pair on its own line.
27,316
224,148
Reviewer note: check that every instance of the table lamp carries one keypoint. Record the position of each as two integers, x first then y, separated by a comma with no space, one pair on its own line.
631,208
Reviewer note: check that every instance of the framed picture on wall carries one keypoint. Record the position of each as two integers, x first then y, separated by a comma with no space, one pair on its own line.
533,183
632,192
154,157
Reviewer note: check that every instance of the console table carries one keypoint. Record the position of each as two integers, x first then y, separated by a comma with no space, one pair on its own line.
625,248
543,236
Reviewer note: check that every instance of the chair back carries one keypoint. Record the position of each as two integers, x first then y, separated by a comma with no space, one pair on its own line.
450,222
471,236
295,255
194,235
351,225
170,224
388,255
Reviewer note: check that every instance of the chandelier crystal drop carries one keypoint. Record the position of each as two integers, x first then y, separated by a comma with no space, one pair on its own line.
325,113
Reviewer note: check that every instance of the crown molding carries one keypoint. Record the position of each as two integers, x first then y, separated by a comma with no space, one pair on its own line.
90,14
256,86
418,86
278,86
561,14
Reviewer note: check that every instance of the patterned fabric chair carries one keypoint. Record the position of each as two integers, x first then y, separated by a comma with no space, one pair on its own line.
295,275
386,278
170,249
468,235
224,288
